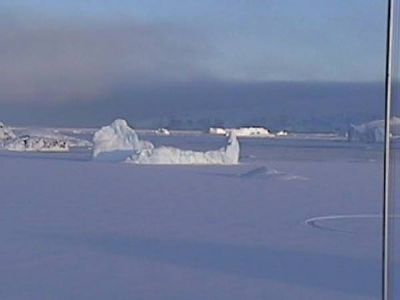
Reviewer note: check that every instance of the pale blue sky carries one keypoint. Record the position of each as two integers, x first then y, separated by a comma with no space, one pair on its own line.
85,56
254,40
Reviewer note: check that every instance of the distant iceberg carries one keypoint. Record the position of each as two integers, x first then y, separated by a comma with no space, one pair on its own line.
217,131
242,131
251,132
162,131
373,132
119,142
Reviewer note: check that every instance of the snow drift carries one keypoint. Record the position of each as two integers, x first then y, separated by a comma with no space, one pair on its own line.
119,142
373,132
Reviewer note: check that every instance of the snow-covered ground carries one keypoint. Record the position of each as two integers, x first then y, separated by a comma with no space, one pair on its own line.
74,228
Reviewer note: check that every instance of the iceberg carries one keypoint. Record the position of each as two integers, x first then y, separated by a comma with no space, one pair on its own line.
374,131
119,142
228,155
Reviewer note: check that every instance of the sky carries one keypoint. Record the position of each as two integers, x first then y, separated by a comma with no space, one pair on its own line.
56,52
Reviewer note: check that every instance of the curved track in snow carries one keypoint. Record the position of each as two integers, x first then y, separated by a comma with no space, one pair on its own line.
317,222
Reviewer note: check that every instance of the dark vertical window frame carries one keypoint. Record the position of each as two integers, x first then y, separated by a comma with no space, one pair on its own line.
389,176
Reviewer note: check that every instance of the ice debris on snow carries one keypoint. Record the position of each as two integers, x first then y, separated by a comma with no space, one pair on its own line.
37,144
38,140
119,142
69,140
6,133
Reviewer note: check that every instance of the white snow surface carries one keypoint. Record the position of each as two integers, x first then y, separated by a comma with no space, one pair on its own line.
374,131
119,142
74,229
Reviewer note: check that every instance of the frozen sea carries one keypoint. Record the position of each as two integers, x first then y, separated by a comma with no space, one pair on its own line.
73,228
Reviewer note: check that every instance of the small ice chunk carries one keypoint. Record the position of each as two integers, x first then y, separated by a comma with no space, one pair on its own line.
217,131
